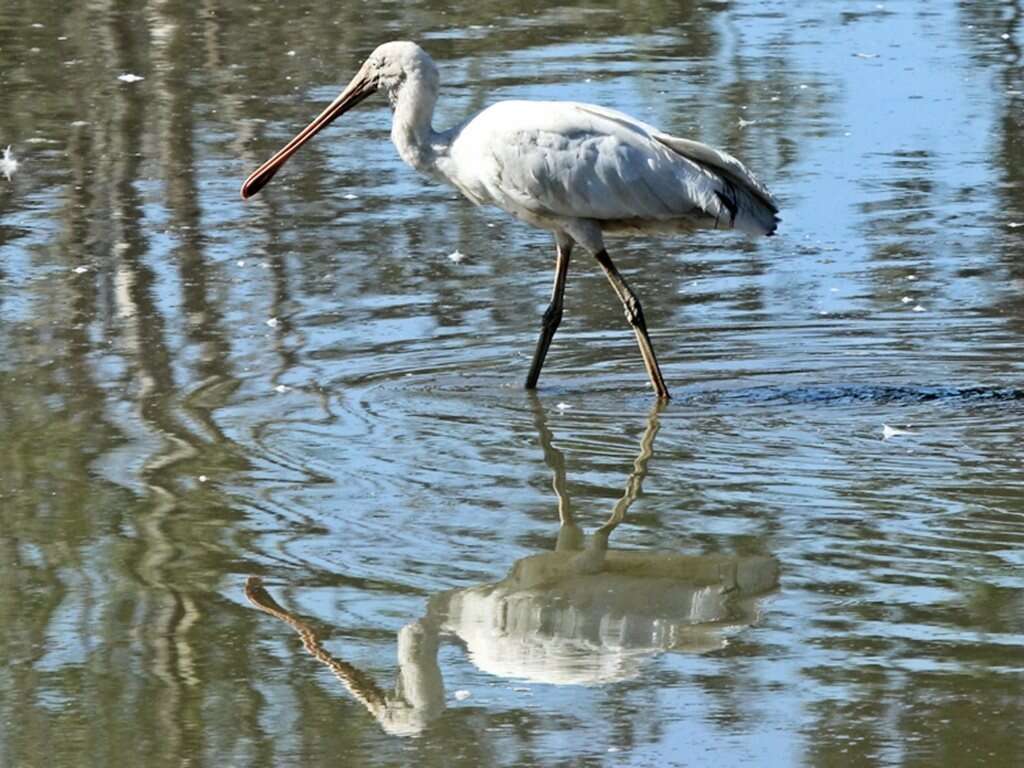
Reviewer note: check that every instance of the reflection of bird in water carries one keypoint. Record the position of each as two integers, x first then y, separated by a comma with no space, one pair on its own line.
577,170
581,614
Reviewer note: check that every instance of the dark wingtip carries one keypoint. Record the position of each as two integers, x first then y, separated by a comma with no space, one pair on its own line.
730,204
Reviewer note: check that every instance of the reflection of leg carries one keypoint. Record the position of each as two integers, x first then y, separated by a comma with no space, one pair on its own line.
635,316
636,477
570,535
553,314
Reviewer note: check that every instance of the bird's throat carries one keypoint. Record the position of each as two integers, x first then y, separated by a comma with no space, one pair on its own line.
411,131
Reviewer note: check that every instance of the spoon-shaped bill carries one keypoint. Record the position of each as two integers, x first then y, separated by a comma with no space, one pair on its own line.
360,87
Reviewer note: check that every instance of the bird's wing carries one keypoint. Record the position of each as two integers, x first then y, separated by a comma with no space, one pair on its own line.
563,159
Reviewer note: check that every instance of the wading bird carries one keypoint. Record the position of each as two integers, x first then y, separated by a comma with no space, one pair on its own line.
577,170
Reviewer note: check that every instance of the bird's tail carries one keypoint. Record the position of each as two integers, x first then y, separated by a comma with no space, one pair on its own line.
747,202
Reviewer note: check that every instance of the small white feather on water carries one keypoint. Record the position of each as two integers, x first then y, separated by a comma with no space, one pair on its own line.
127,77
8,165
457,256
889,432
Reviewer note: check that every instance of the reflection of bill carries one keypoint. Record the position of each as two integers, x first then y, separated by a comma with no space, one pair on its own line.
581,614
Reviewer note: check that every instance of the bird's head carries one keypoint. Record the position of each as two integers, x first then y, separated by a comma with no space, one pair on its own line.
389,68
393,65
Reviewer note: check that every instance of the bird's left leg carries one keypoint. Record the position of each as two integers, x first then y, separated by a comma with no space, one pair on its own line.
635,316
553,314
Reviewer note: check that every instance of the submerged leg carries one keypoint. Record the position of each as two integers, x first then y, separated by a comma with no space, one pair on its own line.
553,314
635,316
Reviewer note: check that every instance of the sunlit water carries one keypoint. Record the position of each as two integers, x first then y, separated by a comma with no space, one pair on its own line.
821,559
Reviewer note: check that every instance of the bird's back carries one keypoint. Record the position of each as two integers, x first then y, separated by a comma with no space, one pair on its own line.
555,160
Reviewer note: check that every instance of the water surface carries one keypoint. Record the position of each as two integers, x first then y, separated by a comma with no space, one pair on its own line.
821,549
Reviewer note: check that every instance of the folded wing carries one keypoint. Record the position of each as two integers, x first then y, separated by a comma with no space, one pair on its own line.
569,160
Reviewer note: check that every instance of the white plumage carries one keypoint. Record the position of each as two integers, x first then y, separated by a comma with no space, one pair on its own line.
553,163
578,170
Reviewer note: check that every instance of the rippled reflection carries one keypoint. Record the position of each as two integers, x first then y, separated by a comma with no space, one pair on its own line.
584,613
161,438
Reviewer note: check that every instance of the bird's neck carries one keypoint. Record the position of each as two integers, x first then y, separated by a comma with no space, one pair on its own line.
411,130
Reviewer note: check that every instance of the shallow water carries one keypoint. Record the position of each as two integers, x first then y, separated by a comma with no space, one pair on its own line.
821,557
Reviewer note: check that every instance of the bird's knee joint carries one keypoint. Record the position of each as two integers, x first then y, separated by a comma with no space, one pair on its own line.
552,316
634,312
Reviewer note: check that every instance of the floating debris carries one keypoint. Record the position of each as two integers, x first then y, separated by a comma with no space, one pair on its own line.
888,432
350,196
563,407
80,270
462,694
203,478
1015,224
8,165
457,256
272,322
744,123
919,308
282,388
127,77
240,262
865,55
906,299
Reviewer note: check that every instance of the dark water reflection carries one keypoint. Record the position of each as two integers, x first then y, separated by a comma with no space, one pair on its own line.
305,387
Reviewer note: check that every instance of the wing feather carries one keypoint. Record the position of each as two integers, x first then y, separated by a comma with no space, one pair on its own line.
563,159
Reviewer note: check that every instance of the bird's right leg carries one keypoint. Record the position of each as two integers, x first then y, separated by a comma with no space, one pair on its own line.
635,316
553,314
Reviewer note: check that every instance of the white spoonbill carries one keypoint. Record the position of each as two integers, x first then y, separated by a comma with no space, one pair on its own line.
577,170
